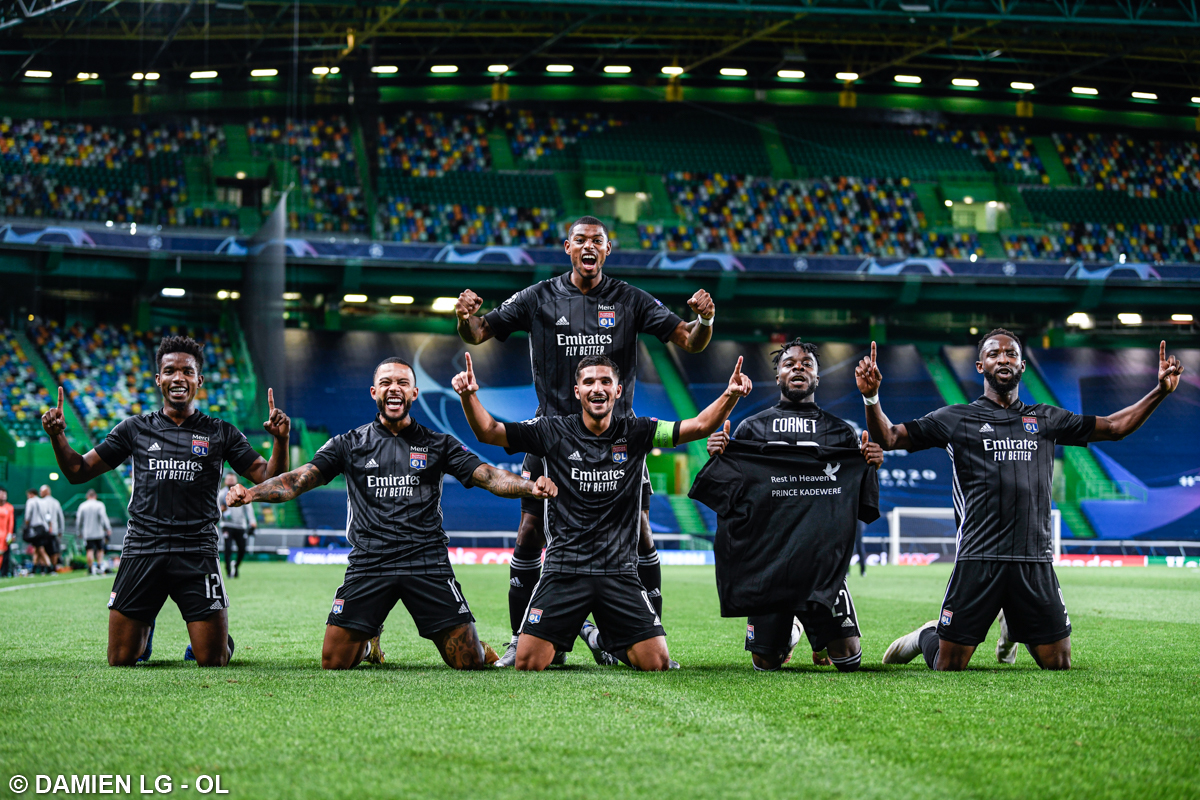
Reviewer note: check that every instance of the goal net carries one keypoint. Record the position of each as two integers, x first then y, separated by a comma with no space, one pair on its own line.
925,535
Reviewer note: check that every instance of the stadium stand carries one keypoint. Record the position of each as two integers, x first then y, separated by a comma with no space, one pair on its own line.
1087,241
671,144
431,144
872,151
322,153
22,398
1090,205
1140,167
1007,151
545,140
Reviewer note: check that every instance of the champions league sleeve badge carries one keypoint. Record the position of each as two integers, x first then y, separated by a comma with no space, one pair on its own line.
620,453
199,446
1030,424
608,319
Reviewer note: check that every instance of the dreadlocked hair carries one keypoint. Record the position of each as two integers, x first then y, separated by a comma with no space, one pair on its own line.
807,347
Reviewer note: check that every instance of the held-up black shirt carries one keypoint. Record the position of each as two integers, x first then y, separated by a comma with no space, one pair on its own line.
786,519
593,525
794,423
1003,461
565,325
394,495
176,472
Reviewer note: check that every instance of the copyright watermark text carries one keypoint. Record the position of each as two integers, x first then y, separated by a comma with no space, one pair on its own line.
115,784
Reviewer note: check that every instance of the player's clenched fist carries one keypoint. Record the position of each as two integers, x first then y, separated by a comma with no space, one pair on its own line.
53,421
468,303
718,440
871,451
238,496
867,375
702,303
464,382
739,384
544,489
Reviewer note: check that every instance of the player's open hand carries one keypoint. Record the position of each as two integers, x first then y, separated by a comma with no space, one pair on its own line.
53,421
1169,370
718,440
739,384
278,424
702,303
544,489
468,303
464,382
867,375
871,451
237,496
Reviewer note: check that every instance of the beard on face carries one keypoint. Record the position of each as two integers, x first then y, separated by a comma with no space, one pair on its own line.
587,408
800,395
1003,387
381,402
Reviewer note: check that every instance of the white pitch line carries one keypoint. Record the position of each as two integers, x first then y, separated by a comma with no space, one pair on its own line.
54,583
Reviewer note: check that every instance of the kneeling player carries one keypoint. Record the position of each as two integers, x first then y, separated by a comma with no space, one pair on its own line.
593,525
394,468
170,547
832,632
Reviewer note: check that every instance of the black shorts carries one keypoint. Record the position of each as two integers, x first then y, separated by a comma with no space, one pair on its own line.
435,602
533,468
1034,609
768,634
561,603
94,544
49,543
144,583
237,534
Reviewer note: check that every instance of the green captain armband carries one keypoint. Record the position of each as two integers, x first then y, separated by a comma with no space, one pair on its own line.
664,433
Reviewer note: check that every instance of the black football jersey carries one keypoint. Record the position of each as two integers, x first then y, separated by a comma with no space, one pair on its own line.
1003,460
796,423
786,520
176,472
394,495
593,525
565,325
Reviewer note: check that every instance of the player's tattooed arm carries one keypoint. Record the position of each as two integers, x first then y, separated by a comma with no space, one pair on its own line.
503,483
694,336
471,329
287,486
1124,422
869,378
75,468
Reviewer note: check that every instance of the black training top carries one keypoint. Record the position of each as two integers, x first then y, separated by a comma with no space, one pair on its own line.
394,495
565,325
1003,461
794,423
593,526
176,472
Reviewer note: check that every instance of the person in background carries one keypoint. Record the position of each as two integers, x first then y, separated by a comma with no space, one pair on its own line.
35,530
237,524
7,516
93,527
58,526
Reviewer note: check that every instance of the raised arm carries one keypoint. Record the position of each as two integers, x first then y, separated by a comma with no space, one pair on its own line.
471,329
711,418
279,426
868,378
503,483
694,336
280,489
487,430
75,468
1124,422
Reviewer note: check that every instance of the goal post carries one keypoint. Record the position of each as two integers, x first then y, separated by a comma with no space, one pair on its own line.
897,515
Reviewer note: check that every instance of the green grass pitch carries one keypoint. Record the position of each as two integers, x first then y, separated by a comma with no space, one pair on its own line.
1124,722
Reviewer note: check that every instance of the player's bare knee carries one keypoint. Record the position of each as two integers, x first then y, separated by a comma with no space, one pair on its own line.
766,663
530,664
529,532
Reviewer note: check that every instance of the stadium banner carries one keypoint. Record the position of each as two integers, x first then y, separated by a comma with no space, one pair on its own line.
1101,561
484,555
1190,562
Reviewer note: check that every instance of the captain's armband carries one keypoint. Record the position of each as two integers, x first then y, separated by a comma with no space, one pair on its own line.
666,434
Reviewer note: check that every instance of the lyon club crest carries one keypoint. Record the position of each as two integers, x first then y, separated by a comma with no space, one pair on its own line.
199,447
1030,424
620,453
417,460
608,319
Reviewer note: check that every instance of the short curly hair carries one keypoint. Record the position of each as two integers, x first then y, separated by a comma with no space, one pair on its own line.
180,344
998,332
807,347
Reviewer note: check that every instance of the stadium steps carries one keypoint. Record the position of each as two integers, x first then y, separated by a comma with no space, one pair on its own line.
501,151
688,517
781,166
930,205
1047,151
76,429
993,246
681,401
363,170
1080,465
943,378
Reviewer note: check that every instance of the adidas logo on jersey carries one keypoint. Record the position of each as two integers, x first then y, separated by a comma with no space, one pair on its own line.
152,448
575,456
562,321
987,428
370,464
847,623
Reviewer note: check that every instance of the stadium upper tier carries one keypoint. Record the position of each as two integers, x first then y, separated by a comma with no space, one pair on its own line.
23,398
546,140
1142,166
